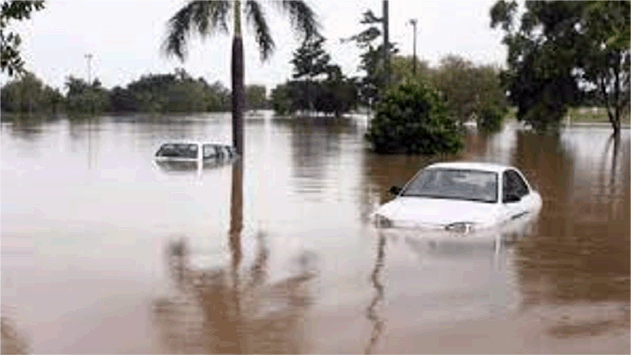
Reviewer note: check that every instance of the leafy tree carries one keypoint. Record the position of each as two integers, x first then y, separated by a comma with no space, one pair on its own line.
310,60
10,60
372,63
471,91
402,69
281,99
337,94
412,119
256,97
177,92
86,98
559,50
209,17
29,94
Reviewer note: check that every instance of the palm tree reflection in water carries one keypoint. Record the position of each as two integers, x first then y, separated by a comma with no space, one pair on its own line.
214,311
12,341
371,313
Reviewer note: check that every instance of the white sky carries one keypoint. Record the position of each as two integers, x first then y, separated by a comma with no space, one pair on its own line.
124,37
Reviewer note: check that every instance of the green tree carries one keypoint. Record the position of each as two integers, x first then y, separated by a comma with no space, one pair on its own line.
256,97
281,99
10,60
310,60
336,94
402,69
411,118
560,48
86,98
209,17
471,91
29,94
372,59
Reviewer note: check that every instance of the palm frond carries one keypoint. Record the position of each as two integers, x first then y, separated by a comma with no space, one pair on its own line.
303,18
203,17
256,17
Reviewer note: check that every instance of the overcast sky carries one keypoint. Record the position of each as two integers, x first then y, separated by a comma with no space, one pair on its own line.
124,37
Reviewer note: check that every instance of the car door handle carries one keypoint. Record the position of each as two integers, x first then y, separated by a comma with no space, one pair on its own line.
515,216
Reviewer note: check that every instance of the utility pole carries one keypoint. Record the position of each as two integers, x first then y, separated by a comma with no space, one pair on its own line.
386,42
413,22
89,58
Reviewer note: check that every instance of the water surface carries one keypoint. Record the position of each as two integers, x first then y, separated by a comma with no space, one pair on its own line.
103,251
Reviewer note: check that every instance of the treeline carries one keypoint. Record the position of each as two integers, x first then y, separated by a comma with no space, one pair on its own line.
177,92
319,87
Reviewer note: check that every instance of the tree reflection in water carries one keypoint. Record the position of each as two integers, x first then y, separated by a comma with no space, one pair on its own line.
214,311
371,311
574,271
235,311
12,341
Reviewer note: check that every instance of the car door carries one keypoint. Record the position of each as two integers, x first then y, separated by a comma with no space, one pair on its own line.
514,186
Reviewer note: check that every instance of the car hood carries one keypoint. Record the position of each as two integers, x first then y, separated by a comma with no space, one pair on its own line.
433,212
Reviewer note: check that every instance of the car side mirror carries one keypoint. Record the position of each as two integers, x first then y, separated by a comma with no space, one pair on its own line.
395,190
511,197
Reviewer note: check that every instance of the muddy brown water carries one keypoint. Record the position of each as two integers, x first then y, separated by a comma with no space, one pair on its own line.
103,251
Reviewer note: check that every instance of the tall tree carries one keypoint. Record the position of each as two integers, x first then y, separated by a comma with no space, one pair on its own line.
310,61
10,60
372,59
256,97
560,48
209,17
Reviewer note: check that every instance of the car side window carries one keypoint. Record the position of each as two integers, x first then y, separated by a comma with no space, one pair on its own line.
507,186
209,151
519,184
513,184
190,151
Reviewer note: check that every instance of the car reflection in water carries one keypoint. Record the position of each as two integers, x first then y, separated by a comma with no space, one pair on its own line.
198,167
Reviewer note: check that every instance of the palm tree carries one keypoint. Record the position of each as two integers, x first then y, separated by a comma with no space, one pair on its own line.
209,17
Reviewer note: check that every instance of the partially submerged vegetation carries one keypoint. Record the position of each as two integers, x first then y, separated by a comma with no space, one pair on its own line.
412,119
177,92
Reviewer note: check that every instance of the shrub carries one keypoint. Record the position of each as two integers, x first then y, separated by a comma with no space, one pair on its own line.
411,119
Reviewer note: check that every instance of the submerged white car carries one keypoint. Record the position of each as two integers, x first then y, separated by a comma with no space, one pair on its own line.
460,197
194,152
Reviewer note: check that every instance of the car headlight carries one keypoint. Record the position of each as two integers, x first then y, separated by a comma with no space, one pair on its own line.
382,221
460,227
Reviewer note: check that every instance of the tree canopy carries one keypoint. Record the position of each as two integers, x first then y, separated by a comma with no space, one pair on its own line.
560,50
10,60
371,60
412,119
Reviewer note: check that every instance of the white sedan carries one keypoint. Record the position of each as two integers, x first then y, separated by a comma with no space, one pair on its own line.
460,197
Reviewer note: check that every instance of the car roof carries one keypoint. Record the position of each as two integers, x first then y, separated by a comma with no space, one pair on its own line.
465,165
192,142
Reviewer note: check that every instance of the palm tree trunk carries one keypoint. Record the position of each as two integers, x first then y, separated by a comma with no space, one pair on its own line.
238,86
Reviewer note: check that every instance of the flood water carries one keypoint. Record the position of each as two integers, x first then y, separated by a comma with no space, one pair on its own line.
103,251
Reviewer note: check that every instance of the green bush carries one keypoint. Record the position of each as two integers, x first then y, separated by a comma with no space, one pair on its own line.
411,119
491,117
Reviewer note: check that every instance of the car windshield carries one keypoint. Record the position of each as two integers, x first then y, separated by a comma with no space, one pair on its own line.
473,185
178,151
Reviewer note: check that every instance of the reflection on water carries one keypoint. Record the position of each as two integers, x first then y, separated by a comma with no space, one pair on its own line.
190,166
372,313
233,312
575,268
86,218
12,341
215,312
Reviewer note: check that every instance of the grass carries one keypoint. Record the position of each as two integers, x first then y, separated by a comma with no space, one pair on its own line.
584,115
587,114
